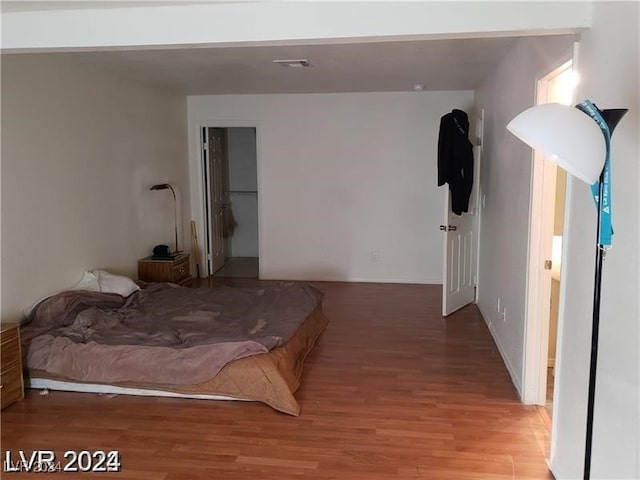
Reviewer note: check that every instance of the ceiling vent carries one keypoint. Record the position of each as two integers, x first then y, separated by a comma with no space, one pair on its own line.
294,63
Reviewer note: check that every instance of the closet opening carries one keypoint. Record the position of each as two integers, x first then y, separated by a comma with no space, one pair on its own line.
231,201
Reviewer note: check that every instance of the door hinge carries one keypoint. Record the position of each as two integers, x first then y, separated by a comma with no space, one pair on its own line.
548,264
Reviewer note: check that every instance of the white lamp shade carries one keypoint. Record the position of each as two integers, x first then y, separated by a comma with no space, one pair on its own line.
566,135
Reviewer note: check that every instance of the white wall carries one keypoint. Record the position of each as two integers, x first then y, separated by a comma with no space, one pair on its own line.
341,176
243,176
79,151
506,182
229,22
608,68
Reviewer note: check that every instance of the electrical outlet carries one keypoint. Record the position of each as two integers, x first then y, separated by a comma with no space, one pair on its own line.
504,314
375,256
484,200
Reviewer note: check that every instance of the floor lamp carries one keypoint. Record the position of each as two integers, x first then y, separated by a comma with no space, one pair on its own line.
167,186
578,139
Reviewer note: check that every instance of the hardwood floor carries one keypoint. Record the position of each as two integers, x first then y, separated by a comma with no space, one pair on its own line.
244,267
392,391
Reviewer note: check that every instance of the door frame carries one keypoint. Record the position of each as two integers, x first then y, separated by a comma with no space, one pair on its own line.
197,180
537,311
478,197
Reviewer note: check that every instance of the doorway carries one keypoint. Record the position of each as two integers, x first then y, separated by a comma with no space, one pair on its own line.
231,201
545,251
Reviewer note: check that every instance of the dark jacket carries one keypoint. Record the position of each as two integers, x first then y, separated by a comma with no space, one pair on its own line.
455,159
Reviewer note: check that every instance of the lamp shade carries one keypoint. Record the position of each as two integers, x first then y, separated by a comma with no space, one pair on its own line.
566,135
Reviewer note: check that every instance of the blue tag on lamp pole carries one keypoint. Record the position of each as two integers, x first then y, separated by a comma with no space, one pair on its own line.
605,229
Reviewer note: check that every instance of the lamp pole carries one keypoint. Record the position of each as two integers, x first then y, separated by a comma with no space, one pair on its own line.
595,331
175,216
611,117
167,186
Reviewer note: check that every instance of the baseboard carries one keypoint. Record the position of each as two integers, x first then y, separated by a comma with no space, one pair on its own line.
329,278
395,280
512,373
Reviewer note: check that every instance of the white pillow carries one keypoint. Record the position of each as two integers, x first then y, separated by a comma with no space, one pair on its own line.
89,281
96,281
110,283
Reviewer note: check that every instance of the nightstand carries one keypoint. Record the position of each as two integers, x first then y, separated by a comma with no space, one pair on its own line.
176,270
12,389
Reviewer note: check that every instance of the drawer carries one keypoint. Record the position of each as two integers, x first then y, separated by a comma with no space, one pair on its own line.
180,271
9,348
8,332
11,390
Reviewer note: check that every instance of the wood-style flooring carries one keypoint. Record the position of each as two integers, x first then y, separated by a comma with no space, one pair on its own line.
392,391
244,267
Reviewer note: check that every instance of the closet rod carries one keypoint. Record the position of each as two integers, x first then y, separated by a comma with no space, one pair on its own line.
241,192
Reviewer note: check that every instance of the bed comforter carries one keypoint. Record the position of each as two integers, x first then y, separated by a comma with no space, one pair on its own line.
163,334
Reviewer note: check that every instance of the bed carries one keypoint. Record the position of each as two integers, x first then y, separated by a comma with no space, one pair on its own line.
165,340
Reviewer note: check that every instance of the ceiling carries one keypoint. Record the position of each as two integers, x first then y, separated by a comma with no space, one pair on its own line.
7,6
454,64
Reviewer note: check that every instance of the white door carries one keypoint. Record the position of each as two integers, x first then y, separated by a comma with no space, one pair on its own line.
215,178
461,238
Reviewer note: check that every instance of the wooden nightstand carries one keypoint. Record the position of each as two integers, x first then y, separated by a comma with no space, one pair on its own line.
12,388
177,270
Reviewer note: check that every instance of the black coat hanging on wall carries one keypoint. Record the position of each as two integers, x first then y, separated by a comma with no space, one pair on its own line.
455,159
